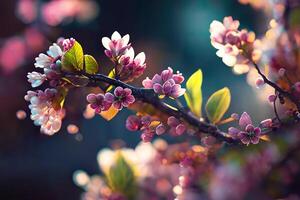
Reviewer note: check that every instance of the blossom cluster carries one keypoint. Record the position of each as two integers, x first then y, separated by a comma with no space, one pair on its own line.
43,113
45,109
151,126
167,83
119,50
122,97
248,133
235,47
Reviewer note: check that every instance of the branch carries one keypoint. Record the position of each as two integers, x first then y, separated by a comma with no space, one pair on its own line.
148,96
277,88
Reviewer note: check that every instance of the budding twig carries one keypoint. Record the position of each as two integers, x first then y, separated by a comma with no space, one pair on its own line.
277,88
148,96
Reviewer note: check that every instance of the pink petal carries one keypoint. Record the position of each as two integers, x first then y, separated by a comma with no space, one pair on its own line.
245,120
147,83
91,98
254,140
118,91
158,88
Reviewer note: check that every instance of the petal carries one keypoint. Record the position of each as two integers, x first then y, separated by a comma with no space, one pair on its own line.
116,36
249,128
109,97
257,131
147,83
156,79
245,120
125,39
105,42
229,60
140,58
118,105
245,140
91,98
254,140
233,132
55,51
158,88
118,91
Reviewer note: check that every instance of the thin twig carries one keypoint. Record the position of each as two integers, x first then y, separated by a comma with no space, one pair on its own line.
277,88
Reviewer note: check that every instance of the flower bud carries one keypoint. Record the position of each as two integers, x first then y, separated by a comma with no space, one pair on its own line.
267,123
272,98
281,72
259,82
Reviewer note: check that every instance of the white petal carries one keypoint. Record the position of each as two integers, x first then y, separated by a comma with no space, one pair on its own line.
54,51
130,53
42,61
105,42
125,39
229,60
141,57
115,36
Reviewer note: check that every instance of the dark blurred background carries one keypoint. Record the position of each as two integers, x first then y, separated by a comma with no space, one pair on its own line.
171,33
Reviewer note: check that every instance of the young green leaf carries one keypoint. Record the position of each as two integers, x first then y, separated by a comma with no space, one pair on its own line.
217,104
72,60
91,65
121,177
193,94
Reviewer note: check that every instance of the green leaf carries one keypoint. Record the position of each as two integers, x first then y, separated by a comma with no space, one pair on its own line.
217,104
111,74
72,60
121,177
59,99
193,94
91,65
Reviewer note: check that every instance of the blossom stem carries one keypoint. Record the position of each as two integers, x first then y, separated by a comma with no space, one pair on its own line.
276,87
148,96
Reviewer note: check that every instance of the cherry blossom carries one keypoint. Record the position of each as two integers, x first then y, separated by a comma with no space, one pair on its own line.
248,133
42,111
36,79
123,98
100,102
167,83
115,46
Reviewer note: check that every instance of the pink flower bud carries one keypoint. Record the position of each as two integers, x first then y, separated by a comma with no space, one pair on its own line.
267,123
160,129
235,116
281,72
297,86
208,140
259,82
133,123
272,98
180,129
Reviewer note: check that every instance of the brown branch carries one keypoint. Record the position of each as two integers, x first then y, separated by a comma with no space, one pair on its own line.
149,96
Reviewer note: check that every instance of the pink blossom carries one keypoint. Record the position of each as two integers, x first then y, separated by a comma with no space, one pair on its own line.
297,86
123,98
42,111
272,98
267,123
100,102
259,82
68,44
176,127
133,123
232,44
167,83
45,60
36,79
116,46
248,133
133,67
160,129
